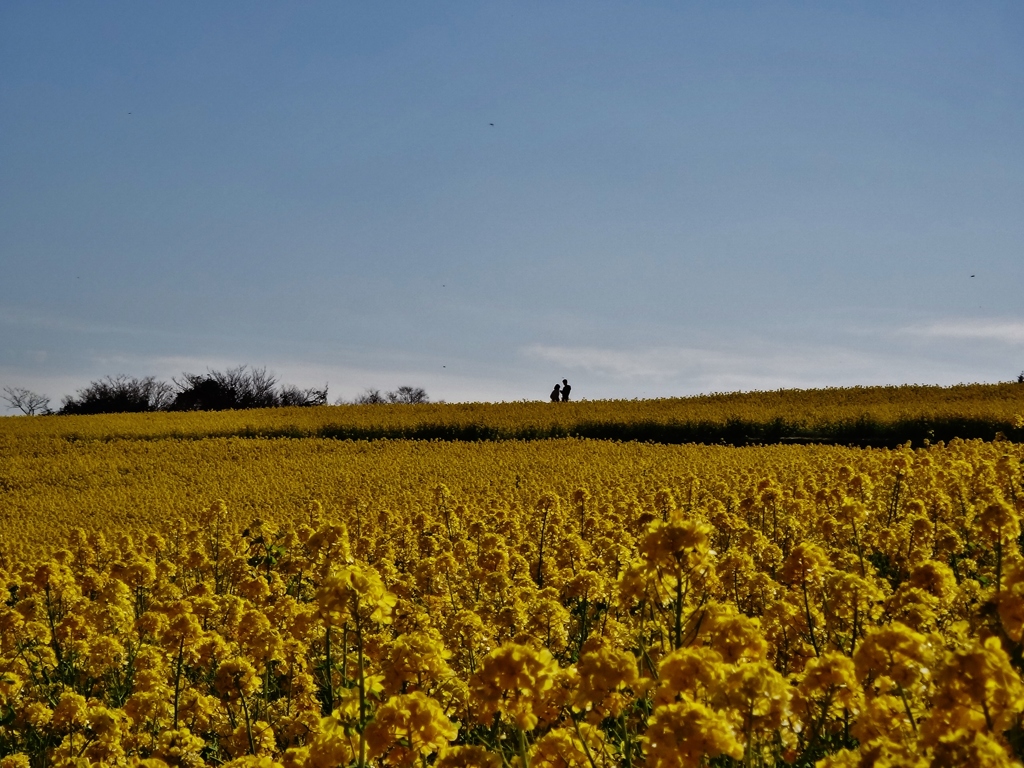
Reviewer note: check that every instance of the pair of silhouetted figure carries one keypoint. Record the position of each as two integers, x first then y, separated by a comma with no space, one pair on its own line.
562,392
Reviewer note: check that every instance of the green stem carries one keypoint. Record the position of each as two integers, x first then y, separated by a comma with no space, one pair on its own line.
177,678
906,707
627,746
540,556
810,619
329,671
586,749
679,612
248,722
362,690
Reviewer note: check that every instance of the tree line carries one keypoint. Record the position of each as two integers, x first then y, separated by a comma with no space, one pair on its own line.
234,389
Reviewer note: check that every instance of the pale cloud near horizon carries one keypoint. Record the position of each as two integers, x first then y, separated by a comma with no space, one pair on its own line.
653,362
743,362
596,372
20,318
749,366
1007,331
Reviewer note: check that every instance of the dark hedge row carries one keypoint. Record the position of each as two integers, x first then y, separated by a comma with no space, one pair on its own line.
737,432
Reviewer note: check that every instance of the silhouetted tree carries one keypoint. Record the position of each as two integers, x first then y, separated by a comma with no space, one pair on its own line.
370,397
408,396
292,395
120,394
26,401
402,395
235,388
202,393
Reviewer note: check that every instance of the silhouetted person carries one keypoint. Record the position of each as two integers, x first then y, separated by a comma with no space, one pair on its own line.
565,391
554,394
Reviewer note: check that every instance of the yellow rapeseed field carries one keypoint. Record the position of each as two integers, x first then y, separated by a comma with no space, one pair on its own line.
847,414
565,602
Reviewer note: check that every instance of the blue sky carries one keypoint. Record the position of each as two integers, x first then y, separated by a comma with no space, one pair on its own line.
649,199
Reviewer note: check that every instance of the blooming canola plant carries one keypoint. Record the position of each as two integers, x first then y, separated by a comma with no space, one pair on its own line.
555,603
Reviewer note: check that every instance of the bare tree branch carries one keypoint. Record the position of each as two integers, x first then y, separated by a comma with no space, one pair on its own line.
408,396
28,402
370,397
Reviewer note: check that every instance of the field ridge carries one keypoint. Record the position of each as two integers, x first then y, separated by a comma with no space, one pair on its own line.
863,416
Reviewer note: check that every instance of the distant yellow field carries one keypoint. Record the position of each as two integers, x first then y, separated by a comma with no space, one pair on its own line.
51,486
887,415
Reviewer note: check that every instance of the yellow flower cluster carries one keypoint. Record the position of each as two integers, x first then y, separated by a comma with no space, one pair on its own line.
559,603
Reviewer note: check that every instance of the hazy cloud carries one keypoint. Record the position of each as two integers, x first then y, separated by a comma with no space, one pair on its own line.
1007,331
14,317
655,362
751,365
